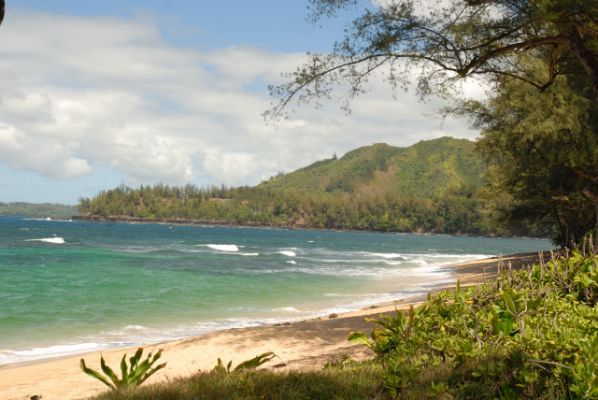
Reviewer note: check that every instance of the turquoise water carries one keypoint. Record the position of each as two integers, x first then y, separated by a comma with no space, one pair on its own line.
68,287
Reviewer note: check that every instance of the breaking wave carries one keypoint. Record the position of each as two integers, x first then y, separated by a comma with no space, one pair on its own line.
53,240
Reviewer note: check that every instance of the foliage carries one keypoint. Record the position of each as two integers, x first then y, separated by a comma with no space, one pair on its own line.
131,376
542,148
531,334
359,383
428,169
432,186
344,361
252,363
444,41
38,210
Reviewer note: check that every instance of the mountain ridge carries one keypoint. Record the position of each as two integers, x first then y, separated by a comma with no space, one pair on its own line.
448,163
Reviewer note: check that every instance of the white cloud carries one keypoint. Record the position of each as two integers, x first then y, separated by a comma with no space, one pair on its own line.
79,93
21,152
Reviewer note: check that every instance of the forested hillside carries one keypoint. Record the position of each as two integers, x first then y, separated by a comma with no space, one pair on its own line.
432,186
425,170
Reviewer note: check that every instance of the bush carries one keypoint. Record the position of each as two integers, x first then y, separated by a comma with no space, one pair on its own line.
531,334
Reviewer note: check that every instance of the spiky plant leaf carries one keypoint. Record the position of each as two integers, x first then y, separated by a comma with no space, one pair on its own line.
95,374
123,369
255,362
135,359
150,373
109,372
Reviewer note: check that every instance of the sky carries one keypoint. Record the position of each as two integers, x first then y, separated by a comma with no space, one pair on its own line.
94,94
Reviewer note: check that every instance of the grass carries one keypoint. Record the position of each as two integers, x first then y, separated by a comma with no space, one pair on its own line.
352,381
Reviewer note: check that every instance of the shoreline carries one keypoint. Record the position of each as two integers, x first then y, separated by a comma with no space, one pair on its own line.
304,344
125,219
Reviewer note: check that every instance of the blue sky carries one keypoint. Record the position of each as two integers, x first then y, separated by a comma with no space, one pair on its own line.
95,94
272,25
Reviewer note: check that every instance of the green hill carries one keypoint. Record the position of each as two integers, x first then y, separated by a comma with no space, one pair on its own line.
424,170
432,186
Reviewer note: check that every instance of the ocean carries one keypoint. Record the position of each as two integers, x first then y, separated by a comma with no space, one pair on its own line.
72,287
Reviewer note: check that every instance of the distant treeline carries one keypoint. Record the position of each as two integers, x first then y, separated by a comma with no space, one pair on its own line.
38,210
456,211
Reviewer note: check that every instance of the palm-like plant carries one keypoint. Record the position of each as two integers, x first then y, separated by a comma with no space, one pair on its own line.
132,375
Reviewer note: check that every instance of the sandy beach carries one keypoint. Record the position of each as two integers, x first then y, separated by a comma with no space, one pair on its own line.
299,345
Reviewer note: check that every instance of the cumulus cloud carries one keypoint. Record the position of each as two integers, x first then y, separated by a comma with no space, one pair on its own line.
79,93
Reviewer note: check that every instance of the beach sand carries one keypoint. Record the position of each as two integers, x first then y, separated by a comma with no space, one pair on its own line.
299,345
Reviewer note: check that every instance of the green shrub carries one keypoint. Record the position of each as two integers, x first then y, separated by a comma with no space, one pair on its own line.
531,334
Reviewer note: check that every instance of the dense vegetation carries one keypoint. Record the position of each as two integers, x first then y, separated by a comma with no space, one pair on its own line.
38,210
531,334
432,186
542,150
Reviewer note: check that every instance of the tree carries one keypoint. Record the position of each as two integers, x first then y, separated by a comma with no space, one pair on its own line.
543,147
1,11
546,168
444,43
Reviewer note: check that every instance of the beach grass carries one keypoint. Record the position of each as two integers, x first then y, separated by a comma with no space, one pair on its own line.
353,381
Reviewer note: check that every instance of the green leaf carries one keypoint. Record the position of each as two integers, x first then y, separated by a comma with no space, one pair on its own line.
150,373
108,371
95,374
509,303
135,359
255,362
123,368
360,338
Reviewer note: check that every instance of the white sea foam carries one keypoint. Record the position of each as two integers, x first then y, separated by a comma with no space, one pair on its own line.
393,262
53,240
223,247
289,309
292,262
288,253
249,254
128,336
36,353
387,255
135,327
